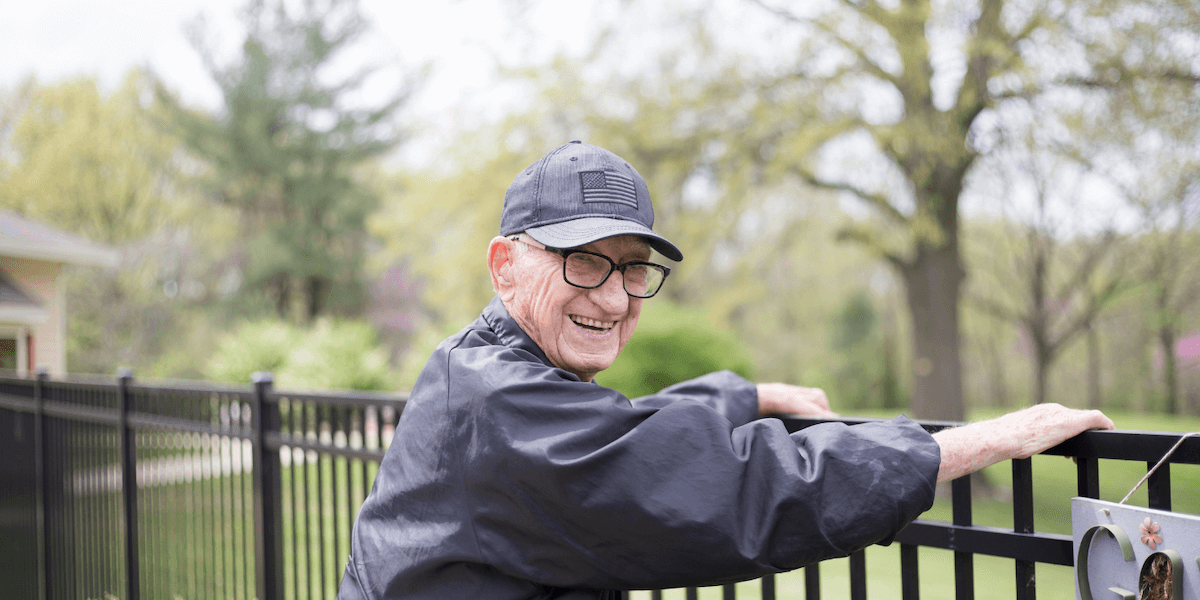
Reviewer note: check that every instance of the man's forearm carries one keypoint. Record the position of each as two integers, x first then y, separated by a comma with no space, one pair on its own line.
1015,435
970,448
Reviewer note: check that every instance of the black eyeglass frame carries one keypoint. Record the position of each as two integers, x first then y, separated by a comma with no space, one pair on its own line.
612,266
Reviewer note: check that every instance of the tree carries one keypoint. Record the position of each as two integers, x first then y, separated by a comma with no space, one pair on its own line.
757,258
1055,282
287,149
918,85
95,164
89,163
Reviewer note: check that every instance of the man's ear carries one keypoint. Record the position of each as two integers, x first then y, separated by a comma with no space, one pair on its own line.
501,259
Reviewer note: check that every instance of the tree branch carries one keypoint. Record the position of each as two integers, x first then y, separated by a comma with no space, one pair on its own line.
871,10
1088,266
1096,302
879,201
994,308
872,242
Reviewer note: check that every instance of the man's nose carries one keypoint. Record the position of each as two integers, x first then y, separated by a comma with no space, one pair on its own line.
611,295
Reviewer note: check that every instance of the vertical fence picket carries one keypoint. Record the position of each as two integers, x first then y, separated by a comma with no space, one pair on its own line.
1022,490
768,587
964,562
910,586
129,488
337,486
858,575
1158,486
40,491
267,497
1087,477
812,582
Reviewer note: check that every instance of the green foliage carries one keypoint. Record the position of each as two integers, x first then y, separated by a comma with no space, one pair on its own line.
256,346
856,323
864,365
286,151
338,355
331,355
95,164
88,163
673,344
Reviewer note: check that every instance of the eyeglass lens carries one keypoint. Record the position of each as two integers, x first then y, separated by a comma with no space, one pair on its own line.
589,270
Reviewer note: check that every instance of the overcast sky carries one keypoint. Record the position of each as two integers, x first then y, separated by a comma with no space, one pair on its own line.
461,39
57,39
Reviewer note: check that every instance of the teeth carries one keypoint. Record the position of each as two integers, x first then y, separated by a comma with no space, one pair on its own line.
593,322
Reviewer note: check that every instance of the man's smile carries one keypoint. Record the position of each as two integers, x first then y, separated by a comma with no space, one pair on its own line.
592,324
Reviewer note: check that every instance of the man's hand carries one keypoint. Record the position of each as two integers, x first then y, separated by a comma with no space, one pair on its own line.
1016,435
781,398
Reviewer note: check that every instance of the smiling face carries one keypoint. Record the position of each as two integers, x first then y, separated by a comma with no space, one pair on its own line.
581,331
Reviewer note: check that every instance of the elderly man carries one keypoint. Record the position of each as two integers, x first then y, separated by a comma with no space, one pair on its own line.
513,475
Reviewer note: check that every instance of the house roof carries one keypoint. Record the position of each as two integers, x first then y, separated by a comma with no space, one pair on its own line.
16,306
11,294
25,238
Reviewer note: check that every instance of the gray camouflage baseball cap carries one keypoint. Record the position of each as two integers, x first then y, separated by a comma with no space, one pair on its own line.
577,194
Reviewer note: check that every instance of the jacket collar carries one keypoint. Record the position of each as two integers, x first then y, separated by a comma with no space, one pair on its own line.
509,332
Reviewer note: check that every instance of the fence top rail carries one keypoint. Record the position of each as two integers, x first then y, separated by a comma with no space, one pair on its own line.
351,398
343,398
1116,444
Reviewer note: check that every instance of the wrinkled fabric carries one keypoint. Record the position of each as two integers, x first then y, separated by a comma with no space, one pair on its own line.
509,478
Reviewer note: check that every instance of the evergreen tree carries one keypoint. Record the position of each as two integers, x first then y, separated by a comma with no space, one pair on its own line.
286,149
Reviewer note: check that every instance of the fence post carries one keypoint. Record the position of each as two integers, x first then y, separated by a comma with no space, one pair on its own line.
39,466
133,587
268,539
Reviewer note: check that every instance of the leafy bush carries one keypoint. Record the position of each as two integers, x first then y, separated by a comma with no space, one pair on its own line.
255,346
332,355
673,344
339,355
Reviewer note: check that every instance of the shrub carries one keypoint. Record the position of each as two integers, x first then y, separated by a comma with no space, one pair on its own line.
255,346
331,355
342,355
673,344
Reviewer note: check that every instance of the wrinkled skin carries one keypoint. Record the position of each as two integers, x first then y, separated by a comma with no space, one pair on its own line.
581,331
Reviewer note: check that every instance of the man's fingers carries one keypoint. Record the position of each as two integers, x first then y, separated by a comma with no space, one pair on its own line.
776,398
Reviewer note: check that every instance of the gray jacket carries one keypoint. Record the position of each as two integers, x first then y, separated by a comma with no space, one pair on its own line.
509,478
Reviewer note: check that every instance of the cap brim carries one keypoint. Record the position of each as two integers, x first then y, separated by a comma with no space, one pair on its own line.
577,232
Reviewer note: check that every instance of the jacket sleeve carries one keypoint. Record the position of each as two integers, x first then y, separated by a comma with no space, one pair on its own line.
727,393
571,485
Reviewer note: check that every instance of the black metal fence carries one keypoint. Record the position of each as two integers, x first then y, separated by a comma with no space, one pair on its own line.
123,490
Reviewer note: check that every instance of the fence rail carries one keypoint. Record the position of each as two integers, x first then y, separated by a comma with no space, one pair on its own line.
118,489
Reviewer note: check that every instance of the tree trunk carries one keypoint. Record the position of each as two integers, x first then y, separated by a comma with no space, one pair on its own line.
999,375
281,293
314,290
1093,372
890,384
1041,371
1166,339
933,282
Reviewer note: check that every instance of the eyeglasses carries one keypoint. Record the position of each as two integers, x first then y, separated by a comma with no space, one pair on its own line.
589,270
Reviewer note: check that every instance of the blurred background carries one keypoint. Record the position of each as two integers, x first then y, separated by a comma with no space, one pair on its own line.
928,206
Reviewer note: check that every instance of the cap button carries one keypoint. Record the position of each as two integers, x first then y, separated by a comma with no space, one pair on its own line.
576,142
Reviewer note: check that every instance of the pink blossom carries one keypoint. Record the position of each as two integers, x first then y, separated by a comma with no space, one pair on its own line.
1149,533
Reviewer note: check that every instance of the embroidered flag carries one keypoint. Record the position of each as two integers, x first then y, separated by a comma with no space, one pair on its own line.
608,186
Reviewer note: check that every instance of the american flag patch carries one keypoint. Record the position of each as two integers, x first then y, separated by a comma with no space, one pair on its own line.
608,186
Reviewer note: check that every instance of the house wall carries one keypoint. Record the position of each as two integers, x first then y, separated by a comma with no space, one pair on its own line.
40,280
